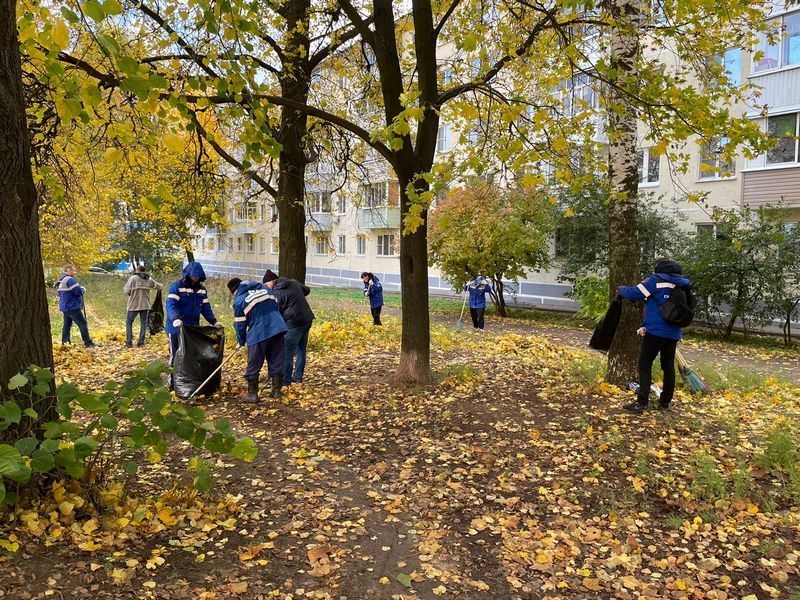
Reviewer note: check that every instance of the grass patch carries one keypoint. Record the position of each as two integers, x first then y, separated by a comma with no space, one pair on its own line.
707,482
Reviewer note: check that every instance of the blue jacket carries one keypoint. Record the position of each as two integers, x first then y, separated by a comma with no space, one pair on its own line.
187,300
70,294
374,291
477,292
256,313
655,290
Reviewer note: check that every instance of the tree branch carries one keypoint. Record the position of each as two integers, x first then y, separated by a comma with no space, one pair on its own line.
252,174
360,24
448,13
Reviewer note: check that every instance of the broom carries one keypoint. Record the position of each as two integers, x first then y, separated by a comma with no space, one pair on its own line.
696,383
460,322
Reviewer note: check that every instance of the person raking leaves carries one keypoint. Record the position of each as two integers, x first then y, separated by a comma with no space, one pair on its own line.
478,288
374,291
259,325
663,293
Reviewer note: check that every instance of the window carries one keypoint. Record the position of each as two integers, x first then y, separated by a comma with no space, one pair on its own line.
386,245
250,243
706,229
202,243
785,51
341,204
791,39
320,244
783,129
649,164
210,243
767,54
230,244
361,245
318,202
263,212
712,164
474,135
239,244
374,195
443,138
580,93
262,245
274,212
447,77
274,248
246,211
220,243
731,63
342,246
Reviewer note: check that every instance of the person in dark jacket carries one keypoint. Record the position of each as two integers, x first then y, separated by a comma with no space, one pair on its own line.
374,291
259,326
478,288
659,336
138,289
186,301
298,317
70,303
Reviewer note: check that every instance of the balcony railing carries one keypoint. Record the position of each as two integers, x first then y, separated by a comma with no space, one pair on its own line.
382,217
319,221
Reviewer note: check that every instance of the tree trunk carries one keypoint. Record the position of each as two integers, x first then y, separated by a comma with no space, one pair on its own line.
25,323
189,255
623,236
294,79
498,297
415,345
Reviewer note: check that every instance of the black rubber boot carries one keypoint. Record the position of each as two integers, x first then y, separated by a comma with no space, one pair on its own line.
277,383
252,392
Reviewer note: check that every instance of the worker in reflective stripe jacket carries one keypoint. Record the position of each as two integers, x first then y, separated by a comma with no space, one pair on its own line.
659,336
186,301
70,303
260,326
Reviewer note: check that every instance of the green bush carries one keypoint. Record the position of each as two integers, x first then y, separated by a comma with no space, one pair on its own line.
123,421
592,294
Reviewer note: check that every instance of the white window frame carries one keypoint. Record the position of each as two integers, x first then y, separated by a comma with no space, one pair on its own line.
273,212
238,243
321,245
246,211
318,203
274,247
781,48
382,245
716,174
647,157
443,138
341,245
723,60
341,204
249,243
796,149
262,245
361,245
375,195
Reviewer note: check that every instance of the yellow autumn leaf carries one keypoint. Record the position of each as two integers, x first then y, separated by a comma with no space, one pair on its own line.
60,34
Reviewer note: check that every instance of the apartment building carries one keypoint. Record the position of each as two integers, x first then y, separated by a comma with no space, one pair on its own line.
357,227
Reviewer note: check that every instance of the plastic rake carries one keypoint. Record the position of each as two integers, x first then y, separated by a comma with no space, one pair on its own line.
460,322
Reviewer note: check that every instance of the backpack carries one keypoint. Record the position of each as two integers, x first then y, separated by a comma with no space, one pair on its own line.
679,307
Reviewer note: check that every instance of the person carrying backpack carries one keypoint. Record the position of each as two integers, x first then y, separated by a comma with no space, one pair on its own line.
70,303
661,335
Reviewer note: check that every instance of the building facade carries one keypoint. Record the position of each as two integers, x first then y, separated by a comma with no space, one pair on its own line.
357,228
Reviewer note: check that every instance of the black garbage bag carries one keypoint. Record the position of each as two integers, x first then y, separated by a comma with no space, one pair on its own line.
155,318
199,353
604,332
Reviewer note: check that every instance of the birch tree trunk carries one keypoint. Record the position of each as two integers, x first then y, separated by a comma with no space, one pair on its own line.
623,235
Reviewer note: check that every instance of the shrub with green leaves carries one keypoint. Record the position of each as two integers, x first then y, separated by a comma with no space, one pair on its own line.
98,434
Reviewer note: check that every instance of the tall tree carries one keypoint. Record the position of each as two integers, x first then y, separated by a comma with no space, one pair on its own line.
623,174
25,325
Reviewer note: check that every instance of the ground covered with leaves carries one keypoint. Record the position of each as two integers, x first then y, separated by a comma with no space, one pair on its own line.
515,476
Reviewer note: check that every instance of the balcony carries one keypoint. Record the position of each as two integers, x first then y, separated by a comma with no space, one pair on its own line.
319,221
382,217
